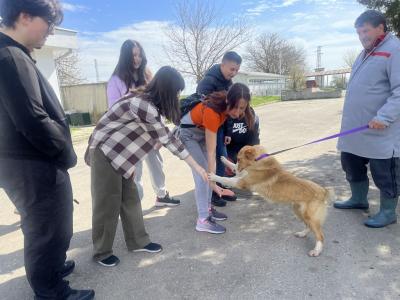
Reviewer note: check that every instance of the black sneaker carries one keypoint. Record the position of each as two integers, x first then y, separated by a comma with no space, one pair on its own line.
167,201
218,216
152,248
81,295
110,261
229,197
217,200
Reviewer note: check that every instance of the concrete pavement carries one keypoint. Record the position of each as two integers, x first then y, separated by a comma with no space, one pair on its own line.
258,257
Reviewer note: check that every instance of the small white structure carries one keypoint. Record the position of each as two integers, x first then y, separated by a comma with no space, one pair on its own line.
262,84
62,42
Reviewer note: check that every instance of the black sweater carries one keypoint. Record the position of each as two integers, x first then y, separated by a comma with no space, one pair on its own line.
240,135
32,122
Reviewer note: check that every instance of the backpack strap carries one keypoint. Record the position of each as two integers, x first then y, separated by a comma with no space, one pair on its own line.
187,126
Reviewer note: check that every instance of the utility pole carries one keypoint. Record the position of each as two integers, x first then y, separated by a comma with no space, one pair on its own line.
320,79
96,67
319,57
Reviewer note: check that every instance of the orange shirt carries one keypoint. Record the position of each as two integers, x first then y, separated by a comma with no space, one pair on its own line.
205,117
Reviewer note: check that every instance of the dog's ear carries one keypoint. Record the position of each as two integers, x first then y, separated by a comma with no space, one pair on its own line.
250,153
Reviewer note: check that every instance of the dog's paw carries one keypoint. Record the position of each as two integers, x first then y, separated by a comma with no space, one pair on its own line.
212,177
317,250
302,234
314,253
224,160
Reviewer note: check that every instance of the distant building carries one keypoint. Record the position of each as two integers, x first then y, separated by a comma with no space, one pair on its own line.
62,42
262,84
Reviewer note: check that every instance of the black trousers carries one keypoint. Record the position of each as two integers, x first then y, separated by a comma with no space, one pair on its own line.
385,172
42,194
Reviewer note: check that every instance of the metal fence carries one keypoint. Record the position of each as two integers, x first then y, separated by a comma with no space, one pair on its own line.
259,87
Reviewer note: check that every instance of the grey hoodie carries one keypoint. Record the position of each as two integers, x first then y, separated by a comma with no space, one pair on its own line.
373,92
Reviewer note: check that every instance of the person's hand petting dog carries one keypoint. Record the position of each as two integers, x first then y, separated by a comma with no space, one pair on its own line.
216,188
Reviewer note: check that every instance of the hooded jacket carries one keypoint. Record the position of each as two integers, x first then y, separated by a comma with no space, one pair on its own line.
213,81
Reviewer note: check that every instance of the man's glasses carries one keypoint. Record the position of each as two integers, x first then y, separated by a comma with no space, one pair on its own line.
49,23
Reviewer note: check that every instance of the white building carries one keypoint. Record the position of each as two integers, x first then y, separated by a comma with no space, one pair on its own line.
262,84
62,42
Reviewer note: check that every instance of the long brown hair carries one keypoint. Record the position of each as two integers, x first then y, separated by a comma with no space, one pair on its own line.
162,91
221,101
125,70
216,101
241,91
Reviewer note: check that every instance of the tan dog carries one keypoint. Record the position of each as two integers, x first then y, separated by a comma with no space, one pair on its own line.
265,176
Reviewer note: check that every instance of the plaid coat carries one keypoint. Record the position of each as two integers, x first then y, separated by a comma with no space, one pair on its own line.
128,131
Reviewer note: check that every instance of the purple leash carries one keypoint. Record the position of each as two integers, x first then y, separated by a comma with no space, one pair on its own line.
343,133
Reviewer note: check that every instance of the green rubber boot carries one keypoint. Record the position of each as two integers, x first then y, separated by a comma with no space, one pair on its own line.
386,215
358,199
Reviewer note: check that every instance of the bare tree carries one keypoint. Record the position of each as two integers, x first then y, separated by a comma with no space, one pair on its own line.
201,36
297,79
68,71
349,57
270,53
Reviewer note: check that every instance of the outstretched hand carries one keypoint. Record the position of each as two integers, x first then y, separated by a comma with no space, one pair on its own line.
216,188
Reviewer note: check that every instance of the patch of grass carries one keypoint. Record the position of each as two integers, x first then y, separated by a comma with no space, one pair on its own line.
256,100
79,134
262,100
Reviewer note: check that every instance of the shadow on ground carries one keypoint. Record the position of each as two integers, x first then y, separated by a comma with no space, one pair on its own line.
258,257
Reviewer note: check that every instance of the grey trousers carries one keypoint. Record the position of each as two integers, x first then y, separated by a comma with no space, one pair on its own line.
154,162
114,196
195,142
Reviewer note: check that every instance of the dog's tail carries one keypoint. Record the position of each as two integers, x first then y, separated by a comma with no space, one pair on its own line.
323,209
329,195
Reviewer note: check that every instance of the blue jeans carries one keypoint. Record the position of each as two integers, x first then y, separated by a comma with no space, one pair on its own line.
220,151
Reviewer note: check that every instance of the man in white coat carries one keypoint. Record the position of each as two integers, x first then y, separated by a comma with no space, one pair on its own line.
373,98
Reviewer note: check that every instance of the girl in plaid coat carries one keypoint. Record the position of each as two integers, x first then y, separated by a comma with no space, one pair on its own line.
121,139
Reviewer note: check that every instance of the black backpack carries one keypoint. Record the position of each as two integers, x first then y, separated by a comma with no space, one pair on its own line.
188,103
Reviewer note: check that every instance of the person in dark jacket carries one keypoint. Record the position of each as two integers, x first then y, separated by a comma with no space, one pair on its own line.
219,78
36,148
239,134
